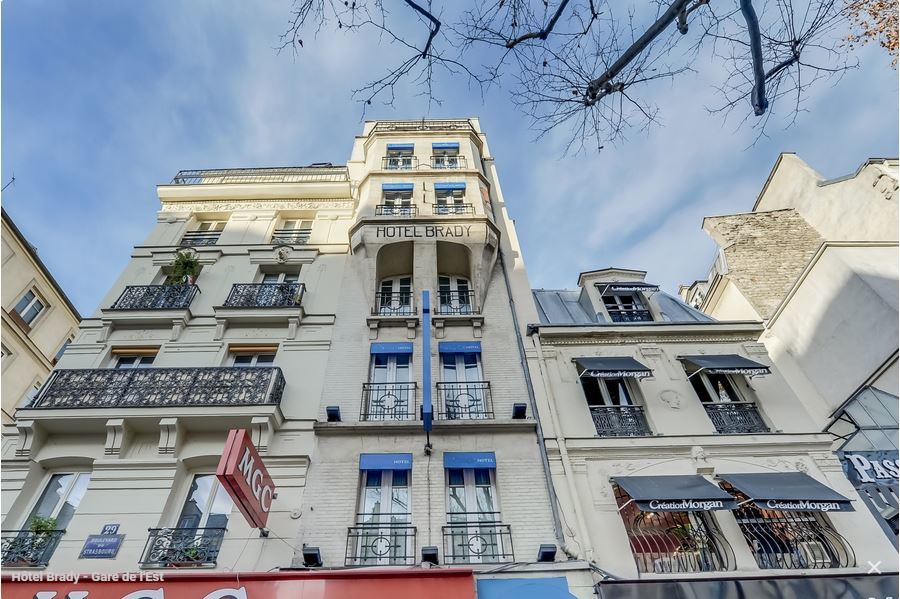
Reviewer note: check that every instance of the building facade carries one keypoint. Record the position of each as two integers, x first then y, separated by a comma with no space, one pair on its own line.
816,261
39,321
358,321
681,458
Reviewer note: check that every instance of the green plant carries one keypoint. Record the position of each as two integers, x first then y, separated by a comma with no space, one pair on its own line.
185,265
191,553
39,524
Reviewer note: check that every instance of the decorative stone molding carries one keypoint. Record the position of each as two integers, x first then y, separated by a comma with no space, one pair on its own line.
31,437
671,398
285,204
262,430
115,437
169,433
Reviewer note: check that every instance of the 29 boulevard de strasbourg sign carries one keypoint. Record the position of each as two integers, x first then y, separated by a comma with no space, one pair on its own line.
243,474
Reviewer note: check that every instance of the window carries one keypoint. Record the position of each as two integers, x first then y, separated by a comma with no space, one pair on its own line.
389,394
383,534
394,297
716,388
446,158
293,231
208,504
60,499
62,349
281,277
29,307
207,232
249,360
726,399
606,392
450,201
125,361
454,295
626,307
397,203
399,157
463,392
474,533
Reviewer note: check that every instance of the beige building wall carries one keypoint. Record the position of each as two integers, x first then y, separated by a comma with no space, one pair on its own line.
29,350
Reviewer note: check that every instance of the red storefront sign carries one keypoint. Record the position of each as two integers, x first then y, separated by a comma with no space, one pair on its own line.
243,474
337,584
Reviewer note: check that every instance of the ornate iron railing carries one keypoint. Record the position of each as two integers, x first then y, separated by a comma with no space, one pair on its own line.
290,174
182,547
672,542
424,125
291,236
388,401
399,163
381,540
448,161
396,210
736,417
194,238
630,315
791,540
452,208
477,538
160,387
28,549
265,295
456,303
155,297
620,421
465,401
394,304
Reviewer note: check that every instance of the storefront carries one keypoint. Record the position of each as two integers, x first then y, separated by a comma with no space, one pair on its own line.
337,584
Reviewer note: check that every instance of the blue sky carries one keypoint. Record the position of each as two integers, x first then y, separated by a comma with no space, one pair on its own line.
104,99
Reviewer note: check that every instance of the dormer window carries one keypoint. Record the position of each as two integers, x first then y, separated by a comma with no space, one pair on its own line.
446,155
399,157
627,302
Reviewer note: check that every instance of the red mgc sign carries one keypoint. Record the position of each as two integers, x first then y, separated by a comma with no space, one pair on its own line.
243,474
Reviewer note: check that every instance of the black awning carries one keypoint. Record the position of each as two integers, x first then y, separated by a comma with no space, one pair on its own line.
612,367
788,492
725,364
627,287
675,493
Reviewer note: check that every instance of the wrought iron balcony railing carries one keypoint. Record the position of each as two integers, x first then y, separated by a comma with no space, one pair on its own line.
155,297
291,236
399,163
465,401
456,303
381,540
265,295
394,304
160,387
424,125
388,401
736,417
448,162
396,210
477,538
182,547
195,238
28,549
620,421
630,315
452,208
290,174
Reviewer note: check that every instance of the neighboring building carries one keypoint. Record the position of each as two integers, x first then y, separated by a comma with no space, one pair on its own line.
682,461
39,321
816,260
397,429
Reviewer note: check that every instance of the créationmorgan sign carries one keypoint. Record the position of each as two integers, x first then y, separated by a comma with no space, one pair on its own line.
243,474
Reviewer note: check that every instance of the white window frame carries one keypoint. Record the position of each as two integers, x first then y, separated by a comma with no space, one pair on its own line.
474,519
281,277
449,287
713,395
638,303
254,359
450,201
206,510
385,516
397,285
397,203
210,226
399,160
37,299
138,361
631,389
63,497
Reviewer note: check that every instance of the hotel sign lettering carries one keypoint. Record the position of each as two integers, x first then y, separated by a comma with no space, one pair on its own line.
424,231
879,467
244,476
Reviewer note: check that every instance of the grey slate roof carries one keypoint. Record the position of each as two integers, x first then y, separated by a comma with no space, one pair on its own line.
573,307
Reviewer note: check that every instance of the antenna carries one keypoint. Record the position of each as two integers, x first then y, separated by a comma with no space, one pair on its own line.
11,181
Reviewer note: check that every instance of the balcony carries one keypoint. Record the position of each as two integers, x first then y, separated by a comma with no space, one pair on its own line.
388,543
448,162
424,125
399,163
620,421
388,401
155,297
464,401
182,547
394,304
160,388
291,236
456,303
793,540
736,417
626,315
324,172
451,208
196,238
477,538
396,210
265,295
28,549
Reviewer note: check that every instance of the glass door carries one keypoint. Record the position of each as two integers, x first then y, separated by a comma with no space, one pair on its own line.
473,515
463,386
455,295
395,297
384,520
390,389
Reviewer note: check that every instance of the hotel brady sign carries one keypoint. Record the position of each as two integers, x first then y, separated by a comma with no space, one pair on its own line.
424,231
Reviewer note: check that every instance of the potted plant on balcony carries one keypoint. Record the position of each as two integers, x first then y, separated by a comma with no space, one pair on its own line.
184,269
28,549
